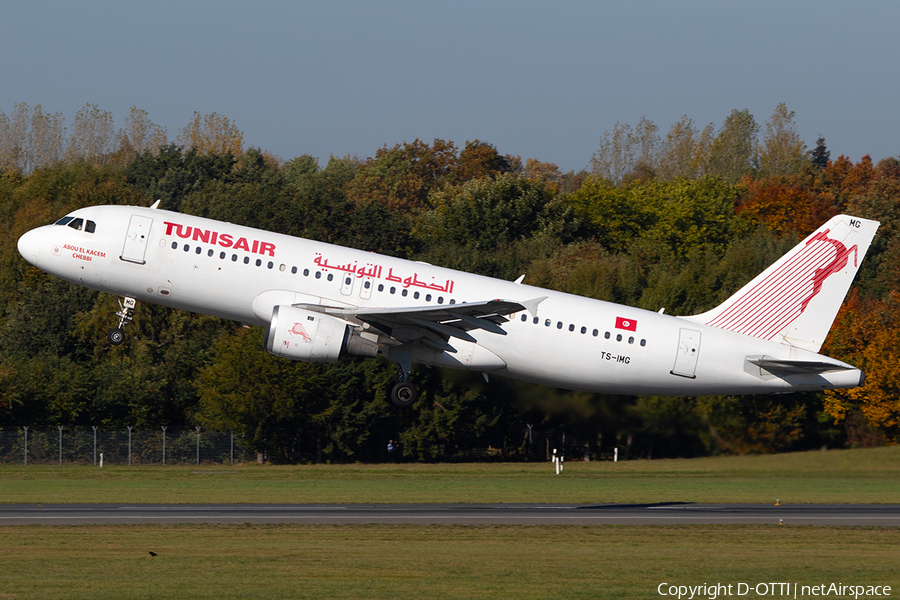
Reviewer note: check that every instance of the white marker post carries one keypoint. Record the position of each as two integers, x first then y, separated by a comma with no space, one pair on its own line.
558,461
616,454
101,460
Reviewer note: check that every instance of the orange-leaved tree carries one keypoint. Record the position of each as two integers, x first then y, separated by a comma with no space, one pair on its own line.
867,335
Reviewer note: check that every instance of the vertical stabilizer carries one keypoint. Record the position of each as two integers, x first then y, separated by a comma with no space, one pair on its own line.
796,299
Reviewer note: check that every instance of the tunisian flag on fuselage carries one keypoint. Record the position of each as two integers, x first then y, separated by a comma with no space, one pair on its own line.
626,324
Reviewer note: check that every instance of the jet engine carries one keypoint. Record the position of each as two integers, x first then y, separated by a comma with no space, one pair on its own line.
299,334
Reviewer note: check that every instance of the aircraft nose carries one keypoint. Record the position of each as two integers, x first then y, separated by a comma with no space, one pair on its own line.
29,244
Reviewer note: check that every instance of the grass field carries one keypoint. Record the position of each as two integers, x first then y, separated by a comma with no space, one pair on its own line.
835,476
449,562
399,562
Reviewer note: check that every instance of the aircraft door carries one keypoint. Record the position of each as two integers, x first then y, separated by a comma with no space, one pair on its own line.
688,352
136,239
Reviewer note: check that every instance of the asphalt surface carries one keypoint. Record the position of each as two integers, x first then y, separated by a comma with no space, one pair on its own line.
453,514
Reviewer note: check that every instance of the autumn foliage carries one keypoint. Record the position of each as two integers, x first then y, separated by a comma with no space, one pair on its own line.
678,221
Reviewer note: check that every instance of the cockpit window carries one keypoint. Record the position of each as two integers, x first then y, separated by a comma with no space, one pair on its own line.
78,224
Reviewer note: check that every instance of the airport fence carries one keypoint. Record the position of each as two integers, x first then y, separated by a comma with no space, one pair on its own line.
129,446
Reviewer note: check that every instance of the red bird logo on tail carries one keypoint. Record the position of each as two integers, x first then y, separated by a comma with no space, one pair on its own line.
841,256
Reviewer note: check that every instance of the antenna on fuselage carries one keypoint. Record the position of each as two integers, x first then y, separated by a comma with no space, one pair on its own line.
156,204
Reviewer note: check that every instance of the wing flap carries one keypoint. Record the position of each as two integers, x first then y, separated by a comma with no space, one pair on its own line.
451,320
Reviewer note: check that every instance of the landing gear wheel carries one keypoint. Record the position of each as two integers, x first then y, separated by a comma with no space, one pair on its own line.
404,394
116,337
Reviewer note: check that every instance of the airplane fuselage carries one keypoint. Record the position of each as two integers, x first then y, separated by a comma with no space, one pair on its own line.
566,341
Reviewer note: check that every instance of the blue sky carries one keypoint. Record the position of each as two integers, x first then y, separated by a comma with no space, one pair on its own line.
537,79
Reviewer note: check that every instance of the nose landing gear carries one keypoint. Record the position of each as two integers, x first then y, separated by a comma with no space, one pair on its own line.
125,314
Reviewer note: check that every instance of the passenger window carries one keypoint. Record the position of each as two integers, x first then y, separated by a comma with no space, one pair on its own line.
234,258
559,324
595,333
246,260
318,274
584,330
393,290
282,268
606,335
380,287
524,318
293,270
258,262
270,265
211,252
222,255
330,277
547,323
643,342
427,297
630,340
174,245
306,272
619,337
404,293
199,250
536,321
186,248
416,295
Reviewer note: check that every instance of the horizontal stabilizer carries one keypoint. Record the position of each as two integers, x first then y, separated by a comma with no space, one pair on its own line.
797,367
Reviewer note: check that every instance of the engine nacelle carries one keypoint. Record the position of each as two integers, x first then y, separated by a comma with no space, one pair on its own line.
300,334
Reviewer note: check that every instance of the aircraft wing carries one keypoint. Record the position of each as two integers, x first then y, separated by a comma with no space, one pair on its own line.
435,323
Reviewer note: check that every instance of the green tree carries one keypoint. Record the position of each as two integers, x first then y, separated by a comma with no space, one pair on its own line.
627,151
278,406
485,213
782,151
733,153
170,174
402,177
819,156
684,151
92,136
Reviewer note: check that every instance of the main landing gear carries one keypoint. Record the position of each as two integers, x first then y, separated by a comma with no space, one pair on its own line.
404,393
125,314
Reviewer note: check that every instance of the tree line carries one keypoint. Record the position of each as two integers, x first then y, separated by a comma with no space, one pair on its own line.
679,222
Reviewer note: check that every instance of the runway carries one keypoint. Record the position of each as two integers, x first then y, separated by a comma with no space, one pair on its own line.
453,514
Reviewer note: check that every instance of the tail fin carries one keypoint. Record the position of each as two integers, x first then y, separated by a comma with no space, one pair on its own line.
796,299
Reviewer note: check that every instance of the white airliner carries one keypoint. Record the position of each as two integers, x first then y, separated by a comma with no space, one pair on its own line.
319,302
